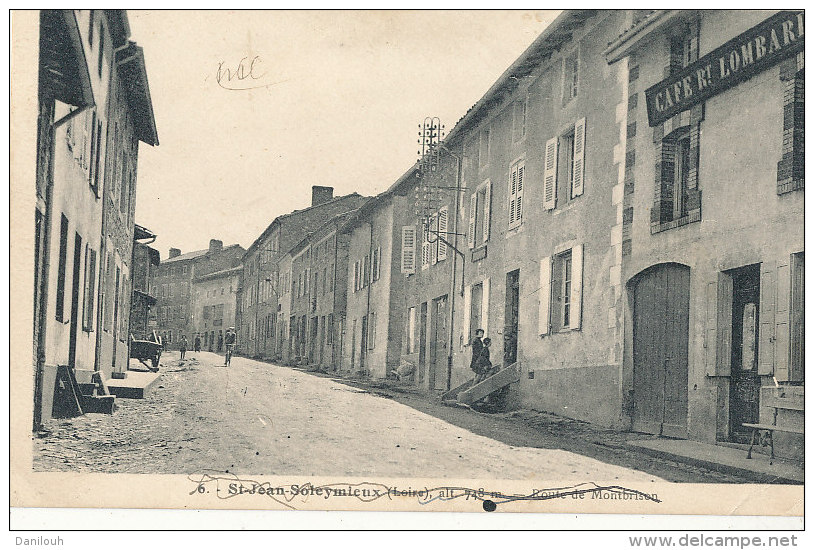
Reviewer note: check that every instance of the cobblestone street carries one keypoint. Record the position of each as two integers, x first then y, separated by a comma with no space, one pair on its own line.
258,418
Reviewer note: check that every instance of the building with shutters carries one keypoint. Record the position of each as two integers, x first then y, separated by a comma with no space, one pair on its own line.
542,250
318,276
712,219
259,297
94,110
371,332
143,318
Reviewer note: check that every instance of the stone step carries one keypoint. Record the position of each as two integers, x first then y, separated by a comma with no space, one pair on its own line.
99,403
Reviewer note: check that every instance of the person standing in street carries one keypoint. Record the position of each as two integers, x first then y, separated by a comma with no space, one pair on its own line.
477,346
483,364
197,342
220,342
183,346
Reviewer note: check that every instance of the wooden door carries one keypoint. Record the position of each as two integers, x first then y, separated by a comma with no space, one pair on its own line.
660,343
745,381
422,344
439,344
74,327
512,317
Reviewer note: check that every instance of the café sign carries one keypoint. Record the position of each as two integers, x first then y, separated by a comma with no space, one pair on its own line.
754,51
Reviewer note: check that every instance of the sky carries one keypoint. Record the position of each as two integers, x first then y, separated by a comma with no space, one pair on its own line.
253,108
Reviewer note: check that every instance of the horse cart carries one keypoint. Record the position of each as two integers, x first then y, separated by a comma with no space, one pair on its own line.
147,349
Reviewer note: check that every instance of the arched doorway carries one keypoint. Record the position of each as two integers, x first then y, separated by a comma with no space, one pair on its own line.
661,304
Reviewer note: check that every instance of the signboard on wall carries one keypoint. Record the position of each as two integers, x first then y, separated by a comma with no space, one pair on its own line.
757,49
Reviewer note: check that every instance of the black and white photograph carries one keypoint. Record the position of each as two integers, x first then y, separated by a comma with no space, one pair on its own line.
516,261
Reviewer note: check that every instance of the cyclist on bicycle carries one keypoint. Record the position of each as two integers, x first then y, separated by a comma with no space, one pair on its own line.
230,339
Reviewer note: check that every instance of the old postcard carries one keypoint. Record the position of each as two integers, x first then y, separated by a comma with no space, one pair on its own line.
512,261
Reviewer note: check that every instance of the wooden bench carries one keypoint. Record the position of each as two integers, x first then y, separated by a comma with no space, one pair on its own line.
776,403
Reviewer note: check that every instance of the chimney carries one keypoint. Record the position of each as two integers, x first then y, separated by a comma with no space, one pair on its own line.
320,194
215,246
175,252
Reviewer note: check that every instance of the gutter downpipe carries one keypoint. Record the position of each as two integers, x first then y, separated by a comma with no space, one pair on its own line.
458,166
366,338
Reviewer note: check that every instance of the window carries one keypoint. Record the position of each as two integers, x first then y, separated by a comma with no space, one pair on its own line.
410,326
376,267
570,77
484,147
516,184
480,206
564,168
561,291
520,112
371,331
791,167
476,310
677,199
408,237
90,289
63,258
101,49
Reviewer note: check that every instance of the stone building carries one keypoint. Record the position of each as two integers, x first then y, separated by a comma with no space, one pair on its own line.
259,295
94,109
317,303
173,284
145,260
213,306
712,223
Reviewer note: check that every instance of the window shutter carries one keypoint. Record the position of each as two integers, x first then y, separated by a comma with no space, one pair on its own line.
443,215
579,158
467,315
723,332
518,213
576,287
473,210
425,247
485,307
544,293
487,210
408,249
550,175
513,197
434,237
766,341
377,263
781,322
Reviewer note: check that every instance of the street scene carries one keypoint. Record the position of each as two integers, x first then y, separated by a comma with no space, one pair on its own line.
257,417
568,246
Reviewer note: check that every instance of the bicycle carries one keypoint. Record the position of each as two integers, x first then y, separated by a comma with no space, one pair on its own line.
229,349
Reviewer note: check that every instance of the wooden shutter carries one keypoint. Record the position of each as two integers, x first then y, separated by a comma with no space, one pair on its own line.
579,159
518,213
781,321
487,210
576,287
485,307
443,214
768,274
550,175
718,326
434,237
377,264
544,293
467,315
473,210
425,247
513,197
408,249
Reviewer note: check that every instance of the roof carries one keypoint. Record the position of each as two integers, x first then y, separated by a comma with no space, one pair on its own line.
64,73
196,254
337,221
141,233
220,274
559,31
642,27
133,71
282,217
407,178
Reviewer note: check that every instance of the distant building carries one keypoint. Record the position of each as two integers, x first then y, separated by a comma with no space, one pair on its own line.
173,284
213,306
94,109
145,260
259,297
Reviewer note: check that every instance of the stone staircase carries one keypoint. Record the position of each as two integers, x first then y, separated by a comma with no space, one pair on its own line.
470,393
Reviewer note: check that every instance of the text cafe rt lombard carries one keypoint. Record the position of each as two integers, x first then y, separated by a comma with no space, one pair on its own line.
753,51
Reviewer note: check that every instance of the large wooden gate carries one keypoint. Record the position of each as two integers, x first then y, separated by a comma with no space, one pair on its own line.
660,340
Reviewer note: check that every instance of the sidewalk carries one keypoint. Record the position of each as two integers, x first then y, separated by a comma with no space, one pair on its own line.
724,459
